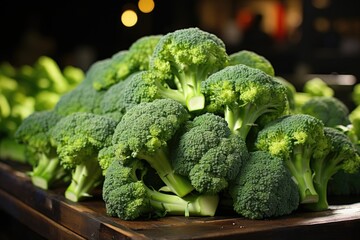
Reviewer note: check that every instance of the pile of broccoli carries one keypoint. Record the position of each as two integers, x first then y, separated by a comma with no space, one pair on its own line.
175,125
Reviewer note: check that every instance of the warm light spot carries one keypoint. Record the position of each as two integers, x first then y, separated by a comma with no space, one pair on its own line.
321,24
129,18
146,6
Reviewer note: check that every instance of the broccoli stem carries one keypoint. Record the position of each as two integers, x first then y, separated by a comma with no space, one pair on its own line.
300,169
177,184
47,171
194,205
85,178
324,169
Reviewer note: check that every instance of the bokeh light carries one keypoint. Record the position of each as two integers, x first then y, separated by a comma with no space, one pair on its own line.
129,18
146,6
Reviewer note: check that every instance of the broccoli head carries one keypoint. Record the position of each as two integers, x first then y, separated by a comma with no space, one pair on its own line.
264,188
78,138
318,87
34,133
330,110
128,196
297,139
208,154
342,155
145,132
252,59
184,58
245,96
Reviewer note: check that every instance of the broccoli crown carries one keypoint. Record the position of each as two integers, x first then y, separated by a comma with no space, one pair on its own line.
79,136
188,57
138,56
34,131
147,127
124,192
244,95
252,59
219,165
197,137
103,74
296,139
145,131
264,188
330,110
83,98
341,155
318,87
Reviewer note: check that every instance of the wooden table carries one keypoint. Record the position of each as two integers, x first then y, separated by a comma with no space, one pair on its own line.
54,217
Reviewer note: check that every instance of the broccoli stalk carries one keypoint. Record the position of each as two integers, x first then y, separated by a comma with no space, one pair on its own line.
298,139
85,177
129,196
245,96
185,58
342,155
79,138
145,131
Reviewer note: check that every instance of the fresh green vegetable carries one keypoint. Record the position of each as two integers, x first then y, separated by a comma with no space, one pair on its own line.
342,155
183,59
252,59
297,139
145,132
78,138
34,133
245,96
264,188
330,110
208,154
127,195
318,87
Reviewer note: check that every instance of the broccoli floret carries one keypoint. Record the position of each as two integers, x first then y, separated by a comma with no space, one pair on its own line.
245,96
145,132
128,196
208,154
252,59
84,98
186,57
138,56
125,94
344,184
264,188
297,139
318,87
78,138
342,155
106,69
330,110
34,133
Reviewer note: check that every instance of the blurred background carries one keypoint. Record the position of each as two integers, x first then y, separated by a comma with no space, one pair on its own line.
298,37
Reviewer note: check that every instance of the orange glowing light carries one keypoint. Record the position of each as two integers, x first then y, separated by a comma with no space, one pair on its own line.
146,6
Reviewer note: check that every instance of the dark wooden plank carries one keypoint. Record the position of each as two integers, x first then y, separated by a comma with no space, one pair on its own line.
35,220
89,218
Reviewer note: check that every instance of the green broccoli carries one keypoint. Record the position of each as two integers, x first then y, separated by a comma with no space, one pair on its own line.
208,154
344,184
78,138
34,133
84,98
245,96
252,59
184,58
318,87
355,94
298,139
264,188
128,196
125,94
330,110
145,132
342,155
138,56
